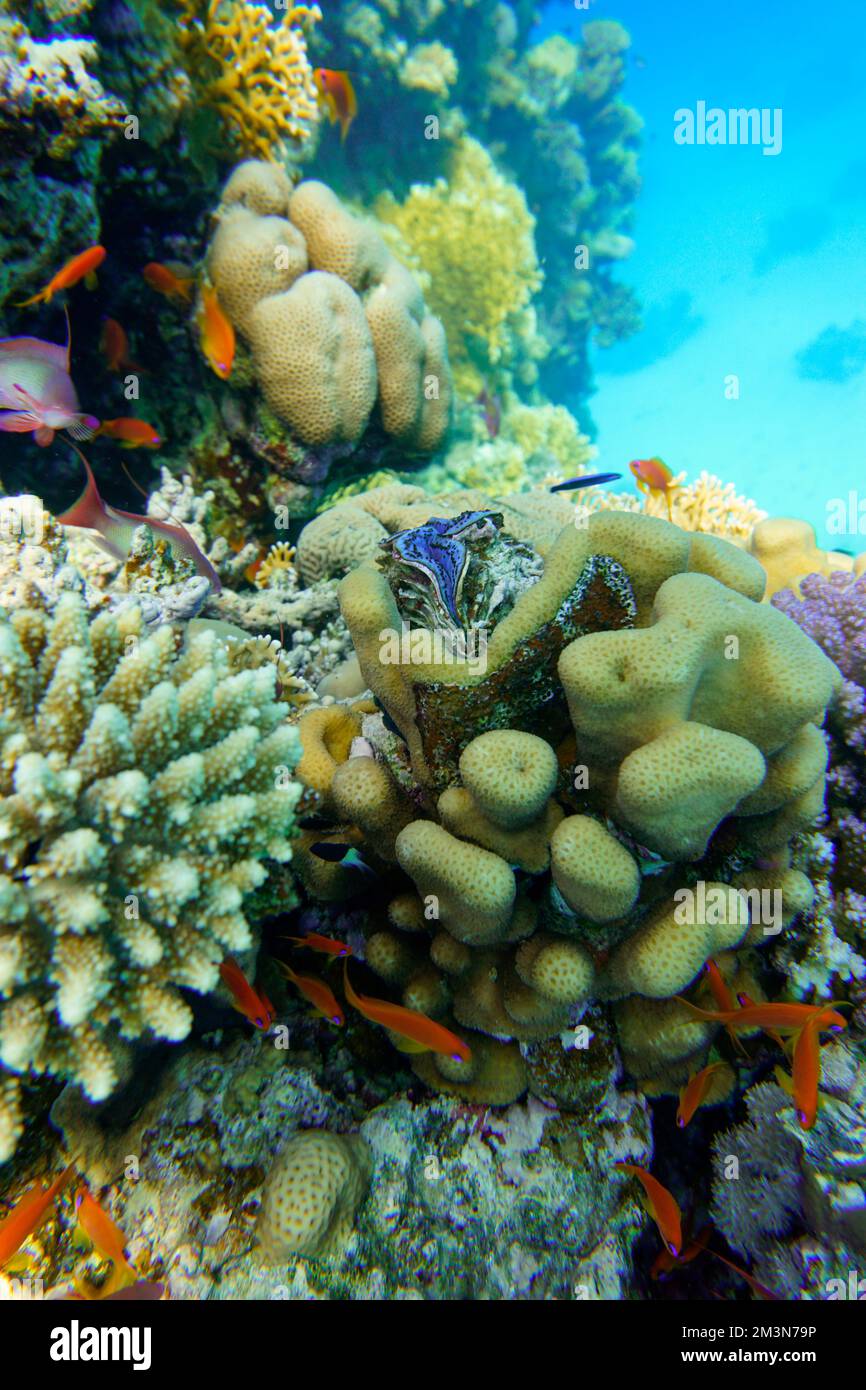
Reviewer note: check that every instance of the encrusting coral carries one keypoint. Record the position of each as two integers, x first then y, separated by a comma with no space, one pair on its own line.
336,325
142,789
252,70
634,724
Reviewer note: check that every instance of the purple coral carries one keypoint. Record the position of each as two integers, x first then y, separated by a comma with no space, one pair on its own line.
832,612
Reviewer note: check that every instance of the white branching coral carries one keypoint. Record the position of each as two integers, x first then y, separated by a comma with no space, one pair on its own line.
140,790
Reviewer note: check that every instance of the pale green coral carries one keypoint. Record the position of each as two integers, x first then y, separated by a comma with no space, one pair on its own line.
140,791
473,237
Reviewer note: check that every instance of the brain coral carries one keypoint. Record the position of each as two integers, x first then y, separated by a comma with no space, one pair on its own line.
639,739
335,323
311,1194
141,790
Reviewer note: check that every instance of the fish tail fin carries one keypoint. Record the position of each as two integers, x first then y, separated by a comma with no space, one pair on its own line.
34,299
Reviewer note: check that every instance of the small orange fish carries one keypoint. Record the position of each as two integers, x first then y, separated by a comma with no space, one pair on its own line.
803,1085
115,347
28,1214
326,944
130,433
723,997
337,95
216,335
664,1261
420,1030
318,993
692,1095
662,1206
81,267
174,280
778,1016
254,1004
104,1234
760,1289
653,477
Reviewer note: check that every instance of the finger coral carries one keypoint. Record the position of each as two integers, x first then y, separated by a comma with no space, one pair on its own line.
142,789
633,731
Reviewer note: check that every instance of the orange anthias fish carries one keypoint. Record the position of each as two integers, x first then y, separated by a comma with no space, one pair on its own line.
654,478
418,1029
790,1017
318,993
694,1093
81,267
115,347
664,1261
662,1206
760,1289
337,95
724,999
174,280
216,335
28,1214
326,944
105,1235
803,1085
131,433
252,1003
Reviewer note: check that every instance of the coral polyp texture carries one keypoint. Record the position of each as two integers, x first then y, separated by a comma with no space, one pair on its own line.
143,790
337,326
562,760
252,68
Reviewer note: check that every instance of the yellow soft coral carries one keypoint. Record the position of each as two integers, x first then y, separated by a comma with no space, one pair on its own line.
473,236
254,73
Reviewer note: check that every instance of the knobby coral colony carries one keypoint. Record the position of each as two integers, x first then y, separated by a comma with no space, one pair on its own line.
536,816
142,789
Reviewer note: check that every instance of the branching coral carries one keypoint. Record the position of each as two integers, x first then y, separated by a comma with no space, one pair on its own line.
253,72
472,236
142,789
707,504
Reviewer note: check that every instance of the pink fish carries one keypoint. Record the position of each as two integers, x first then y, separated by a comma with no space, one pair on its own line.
36,390
115,528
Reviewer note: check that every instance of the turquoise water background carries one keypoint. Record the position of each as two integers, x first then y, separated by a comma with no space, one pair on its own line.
746,264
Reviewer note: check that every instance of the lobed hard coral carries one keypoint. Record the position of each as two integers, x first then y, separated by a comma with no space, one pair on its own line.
336,325
788,551
142,790
253,70
630,729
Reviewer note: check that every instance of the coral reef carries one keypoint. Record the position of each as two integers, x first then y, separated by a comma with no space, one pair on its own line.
604,740
791,1199
335,324
454,1200
129,839
471,236
549,114
252,70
